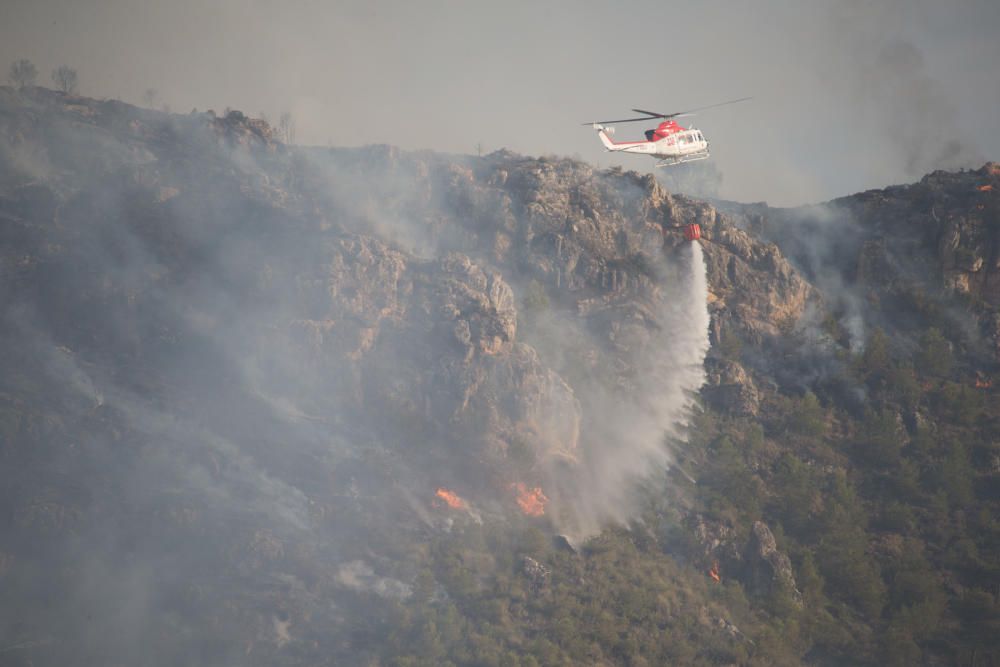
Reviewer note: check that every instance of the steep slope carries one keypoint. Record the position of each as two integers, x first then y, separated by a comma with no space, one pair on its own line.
237,374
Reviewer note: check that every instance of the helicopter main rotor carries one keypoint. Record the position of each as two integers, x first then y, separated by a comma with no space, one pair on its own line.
650,115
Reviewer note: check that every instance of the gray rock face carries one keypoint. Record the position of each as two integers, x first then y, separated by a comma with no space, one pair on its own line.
434,342
756,290
900,247
716,539
731,388
537,574
728,627
769,570
968,237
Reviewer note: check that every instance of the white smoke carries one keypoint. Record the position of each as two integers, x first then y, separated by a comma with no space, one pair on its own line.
357,575
627,440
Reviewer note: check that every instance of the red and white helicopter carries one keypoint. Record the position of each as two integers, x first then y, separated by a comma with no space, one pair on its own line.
670,143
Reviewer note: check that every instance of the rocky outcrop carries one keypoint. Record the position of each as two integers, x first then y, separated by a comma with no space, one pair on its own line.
769,570
730,388
536,573
764,569
755,290
964,224
598,238
716,539
729,628
887,256
598,245
434,342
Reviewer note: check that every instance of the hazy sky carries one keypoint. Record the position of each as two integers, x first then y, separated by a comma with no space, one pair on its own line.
847,95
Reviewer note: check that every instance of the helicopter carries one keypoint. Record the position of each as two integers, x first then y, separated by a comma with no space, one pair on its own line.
670,143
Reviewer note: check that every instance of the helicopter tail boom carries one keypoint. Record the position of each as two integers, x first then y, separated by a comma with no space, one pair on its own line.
603,133
610,144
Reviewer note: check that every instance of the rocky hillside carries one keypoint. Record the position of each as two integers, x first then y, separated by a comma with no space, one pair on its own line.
265,404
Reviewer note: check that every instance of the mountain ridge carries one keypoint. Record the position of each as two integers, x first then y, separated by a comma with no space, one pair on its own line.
259,362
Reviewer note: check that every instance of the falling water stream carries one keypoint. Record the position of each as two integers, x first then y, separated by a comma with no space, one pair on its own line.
625,438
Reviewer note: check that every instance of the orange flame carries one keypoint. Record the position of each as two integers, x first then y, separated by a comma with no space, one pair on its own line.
531,501
983,384
452,499
986,188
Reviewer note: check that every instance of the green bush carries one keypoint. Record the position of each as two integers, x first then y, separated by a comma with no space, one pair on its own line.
535,297
934,357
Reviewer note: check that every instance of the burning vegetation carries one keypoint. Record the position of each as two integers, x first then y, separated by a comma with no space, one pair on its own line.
531,501
451,499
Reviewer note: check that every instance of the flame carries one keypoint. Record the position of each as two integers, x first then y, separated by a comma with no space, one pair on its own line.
986,188
452,499
531,501
983,384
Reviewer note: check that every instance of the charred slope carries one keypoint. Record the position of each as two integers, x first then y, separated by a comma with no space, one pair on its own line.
236,372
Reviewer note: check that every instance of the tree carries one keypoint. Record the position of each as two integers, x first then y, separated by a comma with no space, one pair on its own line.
23,73
903,385
535,297
810,582
956,474
881,437
876,360
730,346
807,416
149,97
795,490
728,474
898,648
852,574
65,79
979,614
935,356
959,403
286,128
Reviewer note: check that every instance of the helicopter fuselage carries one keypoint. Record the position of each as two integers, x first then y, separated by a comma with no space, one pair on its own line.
669,142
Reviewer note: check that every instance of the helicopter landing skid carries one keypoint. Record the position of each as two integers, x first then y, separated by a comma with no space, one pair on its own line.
693,157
